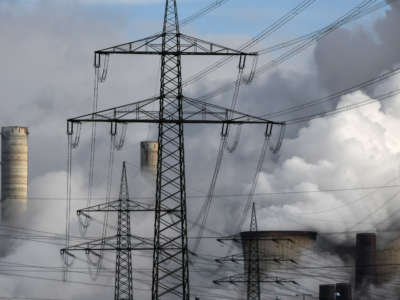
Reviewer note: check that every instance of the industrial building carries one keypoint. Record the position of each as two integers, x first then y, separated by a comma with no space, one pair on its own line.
339,291
279,245
372,266
14,171
149,157
365,260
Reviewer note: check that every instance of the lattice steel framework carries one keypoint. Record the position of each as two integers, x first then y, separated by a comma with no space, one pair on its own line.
170,258
123,242
123,264
253,262
170,277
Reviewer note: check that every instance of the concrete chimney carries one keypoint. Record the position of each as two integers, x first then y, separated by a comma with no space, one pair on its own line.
14,172
327,292
149,157
343,291
365,260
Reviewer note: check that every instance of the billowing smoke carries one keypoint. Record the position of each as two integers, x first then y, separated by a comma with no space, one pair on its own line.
47,54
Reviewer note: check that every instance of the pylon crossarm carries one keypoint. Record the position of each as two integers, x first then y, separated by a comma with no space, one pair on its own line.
147,44
264,278
194,112
115,206
194,46
238,238
262,257
110,243
152,45
143,110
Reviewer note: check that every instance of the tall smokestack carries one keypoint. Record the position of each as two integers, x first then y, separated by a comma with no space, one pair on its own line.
149,157
14,171
327,292
343,291
365,260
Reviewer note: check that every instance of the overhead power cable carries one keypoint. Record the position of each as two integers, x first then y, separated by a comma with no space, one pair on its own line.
307,36
204,211
362,8
205,208
235,195
362,85
345,108
252,42
205,10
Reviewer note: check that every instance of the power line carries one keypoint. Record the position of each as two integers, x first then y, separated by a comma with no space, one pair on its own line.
345,108
307,36
322,190
362,85
202,12
351,15
257,38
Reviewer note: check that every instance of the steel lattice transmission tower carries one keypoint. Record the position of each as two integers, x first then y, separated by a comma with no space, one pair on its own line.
123,263
170,277
123,243
253,261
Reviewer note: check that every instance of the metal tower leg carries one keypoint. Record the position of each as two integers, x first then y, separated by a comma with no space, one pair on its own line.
253,266
170,265
123,264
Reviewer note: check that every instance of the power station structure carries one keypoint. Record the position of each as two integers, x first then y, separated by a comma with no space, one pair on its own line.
170,276
339,291
344,291
288,245
14,172
149,157
255,258
327,292
375,266
388,261
365,259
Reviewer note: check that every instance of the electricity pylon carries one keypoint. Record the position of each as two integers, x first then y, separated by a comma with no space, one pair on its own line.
122,243
253,263
170,277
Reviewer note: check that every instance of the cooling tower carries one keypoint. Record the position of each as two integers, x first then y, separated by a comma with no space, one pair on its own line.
365,273
327,292
343,291
149,156
14,171
287,245
388,262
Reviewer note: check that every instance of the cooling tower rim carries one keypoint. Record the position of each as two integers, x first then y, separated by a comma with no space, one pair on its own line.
268,233
5,128
366,234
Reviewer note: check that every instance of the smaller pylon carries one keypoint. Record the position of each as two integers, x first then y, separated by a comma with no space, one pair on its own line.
253,221
123,263
253,263
123,243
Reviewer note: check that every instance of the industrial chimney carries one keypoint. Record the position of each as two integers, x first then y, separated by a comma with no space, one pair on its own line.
343,291
149,156
365,260
327,292
14,171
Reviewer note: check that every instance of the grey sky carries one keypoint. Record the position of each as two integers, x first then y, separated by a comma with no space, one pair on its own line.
46,57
